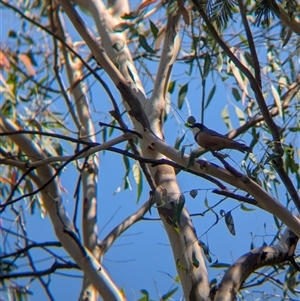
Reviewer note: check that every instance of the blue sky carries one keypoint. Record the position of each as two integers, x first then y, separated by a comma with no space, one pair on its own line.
142,258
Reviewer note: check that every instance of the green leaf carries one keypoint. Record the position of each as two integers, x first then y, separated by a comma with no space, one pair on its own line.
210,96
229,223
277,99
225,116
193,193
121,27
154,29
240,115
272,157
104,134
171,86
181,95
206,203
178,208
127,184
127,165
194,154
180,266
243,207
248,58
236,94
12,34
179,141
130,74
146,294
118,46
172,8
169,294
132,15
137,175
205,250
143,42
207,63
219,61
111,129
195,261
213,282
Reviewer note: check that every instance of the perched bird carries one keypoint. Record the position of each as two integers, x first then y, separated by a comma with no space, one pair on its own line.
214,141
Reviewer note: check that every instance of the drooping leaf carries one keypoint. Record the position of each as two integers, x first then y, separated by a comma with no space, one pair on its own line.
225,116
240,114
210,96
179,141
265,9
206,68
277,99
138,178
243,207
236,94
168,295
219,62
195,261
171,86
205,250
229,223
221,11
132,15
143,43
154,29
181,95
178,208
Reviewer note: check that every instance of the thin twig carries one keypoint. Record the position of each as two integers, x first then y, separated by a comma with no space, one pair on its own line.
8,201
251,43
124,130
234,196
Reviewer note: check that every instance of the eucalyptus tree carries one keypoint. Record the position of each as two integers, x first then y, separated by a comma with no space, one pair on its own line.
50,123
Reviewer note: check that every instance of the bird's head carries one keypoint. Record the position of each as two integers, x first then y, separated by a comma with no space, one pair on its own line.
197,127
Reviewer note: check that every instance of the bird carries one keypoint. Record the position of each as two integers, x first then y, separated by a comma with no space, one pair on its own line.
213,141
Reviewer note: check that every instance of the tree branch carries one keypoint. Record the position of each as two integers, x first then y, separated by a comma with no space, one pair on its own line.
278,162
255,259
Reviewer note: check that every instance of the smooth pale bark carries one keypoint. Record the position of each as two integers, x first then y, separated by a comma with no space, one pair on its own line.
63,227
253,260
184,245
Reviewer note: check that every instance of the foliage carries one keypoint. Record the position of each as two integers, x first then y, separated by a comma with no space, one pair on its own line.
55,93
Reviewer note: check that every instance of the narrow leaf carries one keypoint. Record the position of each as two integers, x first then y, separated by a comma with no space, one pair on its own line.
277,99
137,175
207,63
236,94
205,250
243,207
143,42
154,29
169,294
229,223
240,115
121,27
225,116
179,141
181,95
210,96
195,261
171,86
220,61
